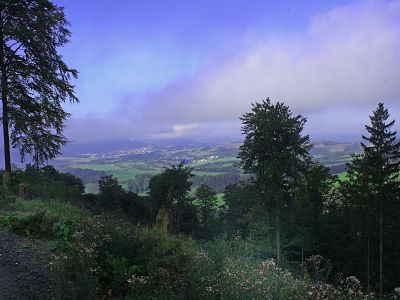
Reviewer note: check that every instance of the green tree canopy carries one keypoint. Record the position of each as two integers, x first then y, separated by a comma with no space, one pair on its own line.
372,190
35,81
275,152
207,205
170,189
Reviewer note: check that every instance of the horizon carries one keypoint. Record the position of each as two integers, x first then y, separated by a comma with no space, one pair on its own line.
153,72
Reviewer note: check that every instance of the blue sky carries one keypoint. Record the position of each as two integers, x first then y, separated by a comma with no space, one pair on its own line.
188,69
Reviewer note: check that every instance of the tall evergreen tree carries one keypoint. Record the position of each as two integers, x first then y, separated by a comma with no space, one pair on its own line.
207,205
276,153
373,186
35,81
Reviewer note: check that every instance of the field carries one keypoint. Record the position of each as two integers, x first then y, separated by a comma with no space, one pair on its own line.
212,165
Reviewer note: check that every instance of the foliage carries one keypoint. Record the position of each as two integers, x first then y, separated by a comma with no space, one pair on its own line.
170,189
206,201
65,211
240,201
307,233
112,256
35,80
111,193
113,197
371,196
174,180
276,153
53,220
47,182
40,223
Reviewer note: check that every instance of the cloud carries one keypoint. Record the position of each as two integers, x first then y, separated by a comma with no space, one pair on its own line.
347,57
345,61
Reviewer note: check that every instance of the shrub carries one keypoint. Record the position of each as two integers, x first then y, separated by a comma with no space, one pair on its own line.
48,183
41,223
317,267
113,257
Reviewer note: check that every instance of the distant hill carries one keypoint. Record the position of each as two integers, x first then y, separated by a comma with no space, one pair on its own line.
134,163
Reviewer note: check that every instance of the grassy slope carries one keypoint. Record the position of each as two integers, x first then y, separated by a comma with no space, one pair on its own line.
63,210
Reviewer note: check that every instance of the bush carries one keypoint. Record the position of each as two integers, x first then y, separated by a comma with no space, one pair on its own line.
40,223
53,220
48,183
113,257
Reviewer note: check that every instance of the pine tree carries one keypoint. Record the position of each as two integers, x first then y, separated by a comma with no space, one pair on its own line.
276,153
35,81
207,204
373,185
382,155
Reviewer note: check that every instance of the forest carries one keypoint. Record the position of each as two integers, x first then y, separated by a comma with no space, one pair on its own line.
287,229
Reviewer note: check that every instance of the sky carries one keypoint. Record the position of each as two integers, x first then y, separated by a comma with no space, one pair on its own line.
156,70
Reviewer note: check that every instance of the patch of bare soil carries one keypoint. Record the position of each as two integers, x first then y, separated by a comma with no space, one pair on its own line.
25,271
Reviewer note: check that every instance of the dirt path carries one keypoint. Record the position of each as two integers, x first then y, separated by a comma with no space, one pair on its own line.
25,271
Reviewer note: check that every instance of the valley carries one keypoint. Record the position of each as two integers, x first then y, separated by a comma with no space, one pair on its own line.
214,165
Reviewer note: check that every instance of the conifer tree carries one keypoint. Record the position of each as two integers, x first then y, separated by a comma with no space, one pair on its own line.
373,185
276,153
35,81
207,204
382,155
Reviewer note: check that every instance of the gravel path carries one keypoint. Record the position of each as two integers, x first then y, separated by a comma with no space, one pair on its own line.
24,269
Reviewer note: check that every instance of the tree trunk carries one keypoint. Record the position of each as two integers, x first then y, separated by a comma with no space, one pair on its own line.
178,221
4,98
37,160
381,253
278,235
368,263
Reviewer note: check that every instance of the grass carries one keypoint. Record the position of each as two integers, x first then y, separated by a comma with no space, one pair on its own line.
218,160
220,199
91,188
122,171
63,210
98,167
128,170
342,176
204,173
